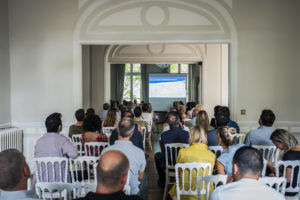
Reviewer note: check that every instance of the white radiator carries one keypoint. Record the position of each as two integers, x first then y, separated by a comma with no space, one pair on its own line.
11,138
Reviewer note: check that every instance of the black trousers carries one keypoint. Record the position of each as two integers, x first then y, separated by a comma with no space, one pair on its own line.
160,163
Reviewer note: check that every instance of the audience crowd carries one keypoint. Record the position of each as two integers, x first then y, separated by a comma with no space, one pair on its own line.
126,158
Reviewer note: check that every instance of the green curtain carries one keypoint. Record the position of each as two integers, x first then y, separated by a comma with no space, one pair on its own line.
117,76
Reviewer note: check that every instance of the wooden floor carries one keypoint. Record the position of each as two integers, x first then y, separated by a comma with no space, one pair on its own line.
154,191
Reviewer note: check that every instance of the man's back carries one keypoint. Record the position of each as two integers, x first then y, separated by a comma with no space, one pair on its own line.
260,136
20,194
117,195
136,138
136,159
175,135
246,189
212,138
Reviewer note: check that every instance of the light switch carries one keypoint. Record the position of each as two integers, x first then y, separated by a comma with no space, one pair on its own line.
243,112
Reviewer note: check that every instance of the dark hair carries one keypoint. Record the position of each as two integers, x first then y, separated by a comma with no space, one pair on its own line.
267,117
173,123
127,113
125,127
79,114
90,111
111,177
52,122
137,111
92,123
216,110
105,106
145,107
12,163
248,160
222,117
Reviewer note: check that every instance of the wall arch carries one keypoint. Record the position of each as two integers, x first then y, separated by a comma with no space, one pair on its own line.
183,22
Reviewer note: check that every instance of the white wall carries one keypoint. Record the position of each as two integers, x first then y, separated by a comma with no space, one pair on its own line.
5,112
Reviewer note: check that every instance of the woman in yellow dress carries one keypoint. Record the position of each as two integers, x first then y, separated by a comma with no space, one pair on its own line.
196,152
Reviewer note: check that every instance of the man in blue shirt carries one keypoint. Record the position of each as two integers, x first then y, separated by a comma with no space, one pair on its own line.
222,119
261,136
14,173
175,135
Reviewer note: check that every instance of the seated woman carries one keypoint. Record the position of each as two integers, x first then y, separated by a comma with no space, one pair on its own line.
92,127
287,143
138,120
202,120
226,138
111,118
196,152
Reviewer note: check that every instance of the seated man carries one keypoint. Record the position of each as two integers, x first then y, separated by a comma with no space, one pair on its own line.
247,166
261,136
52,144
103,113
14,173
136,138
222,119
135,155
175,135
112,173
77,128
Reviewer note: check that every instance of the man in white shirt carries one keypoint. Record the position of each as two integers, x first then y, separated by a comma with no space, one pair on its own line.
14,173
247,165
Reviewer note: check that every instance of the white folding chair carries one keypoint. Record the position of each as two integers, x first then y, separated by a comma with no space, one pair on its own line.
84,172
76,138
270,153
278,183
126,188
50,170
293,179
171,152
187,175
94,148
241,137
144,134
217,150
216,180
108,130
263,173
58,190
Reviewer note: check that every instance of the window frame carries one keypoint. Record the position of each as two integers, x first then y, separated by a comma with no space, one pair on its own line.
132,74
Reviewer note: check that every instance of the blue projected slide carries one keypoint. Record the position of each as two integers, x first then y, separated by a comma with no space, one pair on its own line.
170,87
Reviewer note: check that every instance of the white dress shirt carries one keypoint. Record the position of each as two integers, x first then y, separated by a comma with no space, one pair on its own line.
245,189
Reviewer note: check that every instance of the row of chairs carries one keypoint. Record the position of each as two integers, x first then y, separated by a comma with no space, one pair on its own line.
58,177
204,183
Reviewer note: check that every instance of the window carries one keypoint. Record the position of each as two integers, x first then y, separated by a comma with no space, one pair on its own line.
132,82
179,68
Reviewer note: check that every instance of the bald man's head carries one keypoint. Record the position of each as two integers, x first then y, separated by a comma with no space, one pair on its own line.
112,167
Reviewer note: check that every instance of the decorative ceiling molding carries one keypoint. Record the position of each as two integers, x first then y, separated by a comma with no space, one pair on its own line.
158,53
81,3
229,3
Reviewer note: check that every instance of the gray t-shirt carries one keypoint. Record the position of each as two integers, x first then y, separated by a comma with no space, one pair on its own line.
137,161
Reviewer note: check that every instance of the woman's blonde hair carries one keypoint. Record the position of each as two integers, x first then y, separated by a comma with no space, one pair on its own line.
200,107
202,120
227,135
284,137
111,117
181,109
197,135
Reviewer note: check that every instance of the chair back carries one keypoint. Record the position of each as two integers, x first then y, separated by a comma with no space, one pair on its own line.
293,176
263,172
126,188
94,148
80,148
84,172
216,180
144,136
58,190
217,150
241,137
186,177
171,153
76,138
270,153
108,130
278,183
51,169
